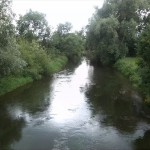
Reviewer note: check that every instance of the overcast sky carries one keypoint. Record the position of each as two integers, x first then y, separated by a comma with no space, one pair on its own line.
76,12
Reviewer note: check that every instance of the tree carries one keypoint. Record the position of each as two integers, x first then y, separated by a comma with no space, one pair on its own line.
107,47
144,52
130,16
33,26
10,59
58,36
69,44
64,29
73,46
6,27
37,60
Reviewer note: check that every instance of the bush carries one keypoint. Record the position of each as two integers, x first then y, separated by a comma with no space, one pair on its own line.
38,62
130,68
58,63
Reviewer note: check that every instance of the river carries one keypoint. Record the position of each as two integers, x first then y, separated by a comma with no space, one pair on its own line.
80,108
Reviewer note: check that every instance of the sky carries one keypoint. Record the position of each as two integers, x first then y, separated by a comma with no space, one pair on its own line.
77,12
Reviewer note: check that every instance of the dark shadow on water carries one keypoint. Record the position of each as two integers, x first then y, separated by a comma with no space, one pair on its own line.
113,96
30,99
110,100
143,143
10,129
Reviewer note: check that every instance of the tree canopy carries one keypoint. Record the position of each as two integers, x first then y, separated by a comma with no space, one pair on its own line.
118,23
10,59
33,25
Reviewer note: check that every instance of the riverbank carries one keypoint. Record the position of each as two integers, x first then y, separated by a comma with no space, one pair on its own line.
130,68
10,83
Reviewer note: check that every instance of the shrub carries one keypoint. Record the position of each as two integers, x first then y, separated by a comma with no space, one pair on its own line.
38,62
130,68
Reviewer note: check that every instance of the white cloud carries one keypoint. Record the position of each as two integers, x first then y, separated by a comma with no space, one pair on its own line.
59,11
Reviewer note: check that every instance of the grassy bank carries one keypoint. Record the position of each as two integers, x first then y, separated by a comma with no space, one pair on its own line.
130,68
10,83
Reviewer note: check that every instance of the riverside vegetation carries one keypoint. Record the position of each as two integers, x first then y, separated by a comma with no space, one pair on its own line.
31,50
118,35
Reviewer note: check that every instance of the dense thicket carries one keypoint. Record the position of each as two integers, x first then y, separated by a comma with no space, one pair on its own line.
144,53
29,49
121,28
113,30
70,44
10,58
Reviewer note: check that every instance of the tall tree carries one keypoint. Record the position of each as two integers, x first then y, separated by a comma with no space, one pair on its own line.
64,29
144,53
61,32
10,59
67,43
131,15
33,26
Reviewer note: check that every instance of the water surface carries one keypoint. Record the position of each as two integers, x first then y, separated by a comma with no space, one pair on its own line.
80,108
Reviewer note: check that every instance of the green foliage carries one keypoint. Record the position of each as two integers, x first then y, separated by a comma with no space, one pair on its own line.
64,29
106,46
10,83
144,45
6,26
35,56
130,68
69,44
144,52
33,26
58,63
73,46
30,52
113,29
10,60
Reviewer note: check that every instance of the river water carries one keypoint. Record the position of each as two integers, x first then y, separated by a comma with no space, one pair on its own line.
80,108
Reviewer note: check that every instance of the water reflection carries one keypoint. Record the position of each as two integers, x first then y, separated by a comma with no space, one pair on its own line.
10,129
67,100
23,111
80,108
19,108
111,95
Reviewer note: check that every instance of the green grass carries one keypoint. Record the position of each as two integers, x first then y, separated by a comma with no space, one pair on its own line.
8,84
130,68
